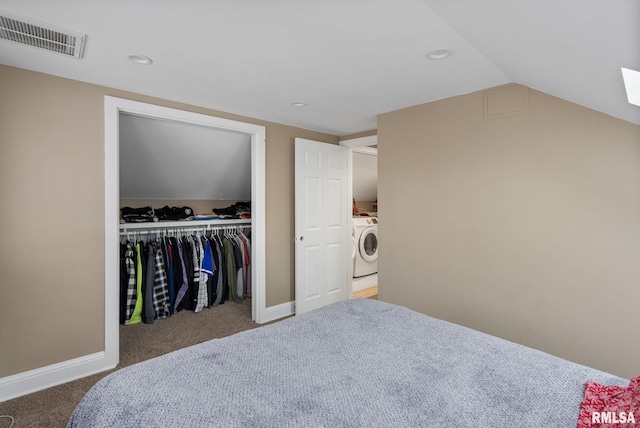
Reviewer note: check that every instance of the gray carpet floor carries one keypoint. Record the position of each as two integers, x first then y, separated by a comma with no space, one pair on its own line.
53,406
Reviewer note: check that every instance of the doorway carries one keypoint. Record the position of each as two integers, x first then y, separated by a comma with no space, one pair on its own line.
113,108
363,178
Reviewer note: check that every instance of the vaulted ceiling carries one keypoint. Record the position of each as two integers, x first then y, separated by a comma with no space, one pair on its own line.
347,60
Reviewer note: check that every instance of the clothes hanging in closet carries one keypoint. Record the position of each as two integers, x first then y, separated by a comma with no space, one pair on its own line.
165,275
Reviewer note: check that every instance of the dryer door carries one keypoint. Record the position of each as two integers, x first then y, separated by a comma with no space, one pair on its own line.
369,244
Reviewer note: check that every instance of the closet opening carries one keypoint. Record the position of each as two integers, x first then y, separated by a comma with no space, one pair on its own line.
179,174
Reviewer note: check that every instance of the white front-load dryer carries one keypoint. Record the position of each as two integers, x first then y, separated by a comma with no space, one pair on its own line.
365,234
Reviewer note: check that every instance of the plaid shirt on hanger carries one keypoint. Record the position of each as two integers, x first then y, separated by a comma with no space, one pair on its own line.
132,290
160,286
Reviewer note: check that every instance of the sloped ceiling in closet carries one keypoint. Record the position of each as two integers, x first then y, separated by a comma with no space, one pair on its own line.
365,177
171,160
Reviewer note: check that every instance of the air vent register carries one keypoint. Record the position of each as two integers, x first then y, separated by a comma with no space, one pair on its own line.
41,35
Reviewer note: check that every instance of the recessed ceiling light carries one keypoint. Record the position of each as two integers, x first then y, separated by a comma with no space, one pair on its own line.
298,104
139,59
438,54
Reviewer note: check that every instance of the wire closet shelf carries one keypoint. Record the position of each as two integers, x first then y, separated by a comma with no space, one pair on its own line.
171,227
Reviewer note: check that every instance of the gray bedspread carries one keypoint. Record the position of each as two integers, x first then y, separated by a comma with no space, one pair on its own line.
359,363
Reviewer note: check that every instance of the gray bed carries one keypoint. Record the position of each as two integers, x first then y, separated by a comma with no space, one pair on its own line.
359,363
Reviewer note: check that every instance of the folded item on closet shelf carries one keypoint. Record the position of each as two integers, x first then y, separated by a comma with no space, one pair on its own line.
237,210
205,217
229,211
243,206
138,215
173,213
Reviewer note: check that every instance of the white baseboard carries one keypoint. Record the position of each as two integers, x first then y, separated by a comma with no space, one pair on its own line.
56,374
282,310
45,377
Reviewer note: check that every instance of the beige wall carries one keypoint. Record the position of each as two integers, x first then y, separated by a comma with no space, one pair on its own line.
52,217
526,227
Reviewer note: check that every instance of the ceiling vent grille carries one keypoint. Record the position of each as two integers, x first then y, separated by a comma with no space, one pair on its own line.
41,35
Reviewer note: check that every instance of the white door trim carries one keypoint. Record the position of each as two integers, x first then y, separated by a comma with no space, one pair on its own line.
371,140
112,108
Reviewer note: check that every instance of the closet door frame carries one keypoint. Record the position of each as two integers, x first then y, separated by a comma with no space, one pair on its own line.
113,107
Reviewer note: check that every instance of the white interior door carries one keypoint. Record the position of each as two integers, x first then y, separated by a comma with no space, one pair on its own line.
322,224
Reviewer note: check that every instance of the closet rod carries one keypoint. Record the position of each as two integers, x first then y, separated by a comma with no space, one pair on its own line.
185,229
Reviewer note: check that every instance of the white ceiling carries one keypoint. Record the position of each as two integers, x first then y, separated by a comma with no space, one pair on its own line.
349,60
